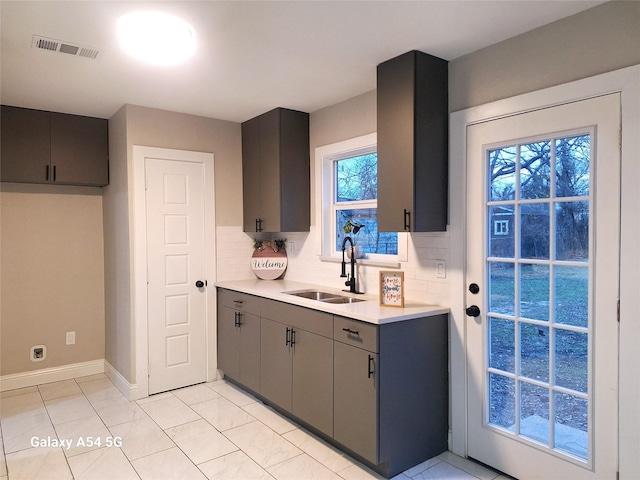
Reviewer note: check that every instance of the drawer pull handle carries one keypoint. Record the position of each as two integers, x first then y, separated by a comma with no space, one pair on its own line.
238,319
288,337
372,367
352,332
239,302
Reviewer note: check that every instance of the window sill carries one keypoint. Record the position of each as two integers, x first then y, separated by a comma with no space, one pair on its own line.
363,261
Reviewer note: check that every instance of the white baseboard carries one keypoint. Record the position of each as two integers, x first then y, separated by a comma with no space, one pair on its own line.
130,391
48,375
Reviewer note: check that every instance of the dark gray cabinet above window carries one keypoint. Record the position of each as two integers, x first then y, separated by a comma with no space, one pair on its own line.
412,104
53,148
276,172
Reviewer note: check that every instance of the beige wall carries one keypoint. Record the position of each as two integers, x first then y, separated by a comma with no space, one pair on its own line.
136,125
598,40
52,275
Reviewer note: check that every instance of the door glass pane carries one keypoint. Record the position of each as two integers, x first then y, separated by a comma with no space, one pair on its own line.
501,236
538,270
534,291
534,230
535,170
571,424
502,344
573,155
534,351
534,412
571,352
572,231
501,288
571,295
502,401
502,168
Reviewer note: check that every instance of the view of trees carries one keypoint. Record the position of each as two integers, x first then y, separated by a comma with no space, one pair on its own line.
357,181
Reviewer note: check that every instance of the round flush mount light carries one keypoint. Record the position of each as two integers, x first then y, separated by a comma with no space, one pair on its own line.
156,38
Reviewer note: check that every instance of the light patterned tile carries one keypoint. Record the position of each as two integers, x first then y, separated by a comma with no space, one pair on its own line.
3,462
233,393
234,466
222,414
65,388
141,438
169,464
154,398
195,394
200,441
272,419
120,411
21,406
100,392
262,444
38,463
422,466
67,409
444,471
102,464
472,468
359,472
85,434
327,455
170,412
18,431
18,391
302,466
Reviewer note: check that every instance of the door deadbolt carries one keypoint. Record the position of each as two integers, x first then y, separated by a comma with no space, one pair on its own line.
474,288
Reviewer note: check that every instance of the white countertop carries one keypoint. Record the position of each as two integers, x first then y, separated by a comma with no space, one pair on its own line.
368,310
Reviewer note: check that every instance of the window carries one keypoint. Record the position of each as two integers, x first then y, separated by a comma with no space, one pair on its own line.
349,173
501,227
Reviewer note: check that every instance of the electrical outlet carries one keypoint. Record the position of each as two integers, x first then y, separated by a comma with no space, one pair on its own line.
71,338
291,247
441,269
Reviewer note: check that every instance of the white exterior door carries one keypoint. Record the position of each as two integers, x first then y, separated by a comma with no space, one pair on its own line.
542,270
176,263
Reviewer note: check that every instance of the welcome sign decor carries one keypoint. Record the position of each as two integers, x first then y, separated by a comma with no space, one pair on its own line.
269,261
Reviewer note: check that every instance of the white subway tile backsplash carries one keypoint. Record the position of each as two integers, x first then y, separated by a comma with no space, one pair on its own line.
234,250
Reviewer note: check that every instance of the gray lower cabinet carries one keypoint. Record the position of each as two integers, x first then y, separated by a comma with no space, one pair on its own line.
239,337
391,391
296,362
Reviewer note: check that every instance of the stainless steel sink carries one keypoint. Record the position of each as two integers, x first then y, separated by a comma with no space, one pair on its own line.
343,300
326,297
313,294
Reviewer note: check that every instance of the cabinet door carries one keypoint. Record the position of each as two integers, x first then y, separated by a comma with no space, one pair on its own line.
251,174
396,123
250,351
26,149
228,343
313,380
270,171
275,364
356,400
79,150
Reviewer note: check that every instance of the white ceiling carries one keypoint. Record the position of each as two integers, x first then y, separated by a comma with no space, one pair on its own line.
252,56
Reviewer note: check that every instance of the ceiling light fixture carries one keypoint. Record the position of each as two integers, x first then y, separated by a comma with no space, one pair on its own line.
156,38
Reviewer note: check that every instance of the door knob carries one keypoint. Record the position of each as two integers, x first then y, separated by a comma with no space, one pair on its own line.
473,311
199,284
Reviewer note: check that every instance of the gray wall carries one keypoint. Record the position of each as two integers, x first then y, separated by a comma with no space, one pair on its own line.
598,40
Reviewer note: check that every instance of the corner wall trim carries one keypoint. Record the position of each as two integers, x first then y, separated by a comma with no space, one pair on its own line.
130,391
48,375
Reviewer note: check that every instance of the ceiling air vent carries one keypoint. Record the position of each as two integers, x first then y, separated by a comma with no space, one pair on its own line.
60,46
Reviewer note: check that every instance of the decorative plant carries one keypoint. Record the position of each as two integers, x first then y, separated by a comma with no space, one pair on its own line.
352,226
275,245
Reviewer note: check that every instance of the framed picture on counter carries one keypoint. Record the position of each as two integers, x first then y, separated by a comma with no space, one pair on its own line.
392,289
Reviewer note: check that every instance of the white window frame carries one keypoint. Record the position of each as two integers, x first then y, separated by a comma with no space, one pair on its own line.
325,194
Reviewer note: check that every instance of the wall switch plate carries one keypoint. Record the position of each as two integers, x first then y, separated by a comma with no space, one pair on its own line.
441,269
71,338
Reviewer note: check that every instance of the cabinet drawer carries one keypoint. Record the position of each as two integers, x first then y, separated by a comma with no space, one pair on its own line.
299,317
352,332
239,301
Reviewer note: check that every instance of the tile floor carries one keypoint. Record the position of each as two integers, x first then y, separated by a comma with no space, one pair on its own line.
85,429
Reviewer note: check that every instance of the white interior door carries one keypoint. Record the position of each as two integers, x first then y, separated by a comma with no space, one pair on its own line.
542,249
176,303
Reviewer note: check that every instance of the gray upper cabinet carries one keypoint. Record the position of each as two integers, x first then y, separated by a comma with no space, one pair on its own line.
53,148
276,172
412,115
